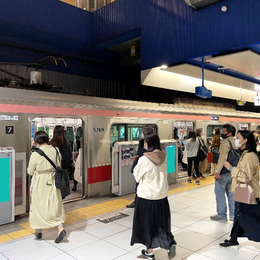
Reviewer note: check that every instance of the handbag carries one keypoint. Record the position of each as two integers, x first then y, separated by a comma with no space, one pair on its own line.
214,149
244,193
202,152
61,176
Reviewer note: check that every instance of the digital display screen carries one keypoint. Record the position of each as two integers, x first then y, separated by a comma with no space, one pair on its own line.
170,152
5,180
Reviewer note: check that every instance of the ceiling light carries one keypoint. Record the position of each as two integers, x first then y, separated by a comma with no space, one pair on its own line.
164,66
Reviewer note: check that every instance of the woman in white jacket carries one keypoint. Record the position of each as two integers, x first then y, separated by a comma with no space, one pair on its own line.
152,218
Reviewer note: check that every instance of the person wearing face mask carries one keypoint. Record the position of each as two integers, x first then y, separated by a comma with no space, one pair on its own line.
214,146
140,152
152,216
223,176
247,217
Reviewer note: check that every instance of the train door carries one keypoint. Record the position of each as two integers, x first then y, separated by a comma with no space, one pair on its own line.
73,128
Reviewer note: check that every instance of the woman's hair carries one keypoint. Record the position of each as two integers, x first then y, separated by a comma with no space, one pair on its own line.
192,135
153,142
58,136
250,144
147,130
217,131
41,137
199,132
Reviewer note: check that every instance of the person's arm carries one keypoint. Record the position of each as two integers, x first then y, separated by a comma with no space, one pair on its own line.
223,155
244,169
32,164
140,169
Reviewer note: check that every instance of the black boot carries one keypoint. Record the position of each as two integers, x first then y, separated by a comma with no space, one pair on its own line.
132,205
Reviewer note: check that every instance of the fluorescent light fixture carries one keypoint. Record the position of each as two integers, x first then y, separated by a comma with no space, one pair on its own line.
164,66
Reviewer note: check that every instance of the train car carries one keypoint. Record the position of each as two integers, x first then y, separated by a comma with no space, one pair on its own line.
94,124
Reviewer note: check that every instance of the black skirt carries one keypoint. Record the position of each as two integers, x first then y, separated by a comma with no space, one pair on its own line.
248,218
152,224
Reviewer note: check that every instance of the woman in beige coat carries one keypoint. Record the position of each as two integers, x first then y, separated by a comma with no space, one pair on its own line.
247,216
46,208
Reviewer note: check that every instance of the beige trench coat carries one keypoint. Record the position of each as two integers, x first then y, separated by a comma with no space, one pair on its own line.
46,208
248,165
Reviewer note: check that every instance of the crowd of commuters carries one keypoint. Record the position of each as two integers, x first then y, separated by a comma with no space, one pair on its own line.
152,217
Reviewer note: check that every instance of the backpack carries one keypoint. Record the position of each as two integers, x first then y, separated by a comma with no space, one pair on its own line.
202,152
233,158
61,176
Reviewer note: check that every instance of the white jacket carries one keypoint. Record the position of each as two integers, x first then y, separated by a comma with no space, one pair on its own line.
151,176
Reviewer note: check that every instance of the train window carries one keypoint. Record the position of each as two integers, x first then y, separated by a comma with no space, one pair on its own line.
127,132
243,126
210,132
181,130
258,128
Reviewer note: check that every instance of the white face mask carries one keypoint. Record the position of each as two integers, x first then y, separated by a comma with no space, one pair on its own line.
142,135
238,144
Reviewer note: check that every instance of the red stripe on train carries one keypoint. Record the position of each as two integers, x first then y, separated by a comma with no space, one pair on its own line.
99,174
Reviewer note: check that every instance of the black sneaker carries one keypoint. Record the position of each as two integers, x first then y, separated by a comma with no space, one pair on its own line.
172,251
132,205
38,235
198,182
150,256
189,181
228,243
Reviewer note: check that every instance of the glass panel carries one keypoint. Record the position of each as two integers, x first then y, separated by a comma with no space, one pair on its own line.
243,126
181,130
210,132
18,182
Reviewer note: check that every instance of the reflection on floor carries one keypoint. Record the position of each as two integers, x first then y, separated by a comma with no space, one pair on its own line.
89,239
74,194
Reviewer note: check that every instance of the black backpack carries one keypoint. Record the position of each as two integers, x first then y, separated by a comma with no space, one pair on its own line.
61,176
233,158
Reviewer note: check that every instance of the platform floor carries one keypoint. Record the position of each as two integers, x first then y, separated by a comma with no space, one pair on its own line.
89,239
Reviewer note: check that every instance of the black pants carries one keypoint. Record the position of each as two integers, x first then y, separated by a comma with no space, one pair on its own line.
196,166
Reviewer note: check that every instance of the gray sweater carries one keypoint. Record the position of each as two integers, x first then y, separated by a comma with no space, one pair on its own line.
192,147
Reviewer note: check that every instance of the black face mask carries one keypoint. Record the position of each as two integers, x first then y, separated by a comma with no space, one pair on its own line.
224,136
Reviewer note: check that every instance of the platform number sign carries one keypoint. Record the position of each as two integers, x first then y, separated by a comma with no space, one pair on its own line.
9,130
257,100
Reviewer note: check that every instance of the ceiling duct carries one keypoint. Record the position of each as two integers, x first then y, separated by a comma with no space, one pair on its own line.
197,4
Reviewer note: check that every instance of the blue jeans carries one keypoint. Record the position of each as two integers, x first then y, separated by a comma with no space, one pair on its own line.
222,189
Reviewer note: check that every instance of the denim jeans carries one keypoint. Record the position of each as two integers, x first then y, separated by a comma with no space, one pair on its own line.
222,189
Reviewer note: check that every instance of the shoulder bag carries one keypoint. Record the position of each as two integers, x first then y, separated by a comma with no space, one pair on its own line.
244,193
61,176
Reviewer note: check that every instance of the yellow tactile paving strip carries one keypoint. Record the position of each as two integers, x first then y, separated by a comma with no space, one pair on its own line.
98,209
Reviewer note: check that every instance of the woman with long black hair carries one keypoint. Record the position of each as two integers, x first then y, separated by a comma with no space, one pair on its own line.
247,216
152,218
59,140
192,148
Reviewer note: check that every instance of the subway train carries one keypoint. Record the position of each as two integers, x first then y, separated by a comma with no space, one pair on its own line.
94,124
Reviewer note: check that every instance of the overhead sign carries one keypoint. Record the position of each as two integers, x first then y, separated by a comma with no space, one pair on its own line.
216,118
9,118
257,100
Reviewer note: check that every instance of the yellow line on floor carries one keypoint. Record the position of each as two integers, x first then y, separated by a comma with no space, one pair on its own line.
98,209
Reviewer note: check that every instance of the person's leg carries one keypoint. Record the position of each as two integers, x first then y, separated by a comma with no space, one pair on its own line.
196,166
132,205
189,168
231,203
220,185
61,234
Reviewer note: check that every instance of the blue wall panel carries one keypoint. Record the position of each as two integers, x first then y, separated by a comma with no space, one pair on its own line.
172,32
